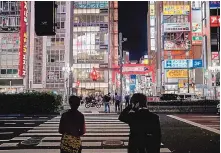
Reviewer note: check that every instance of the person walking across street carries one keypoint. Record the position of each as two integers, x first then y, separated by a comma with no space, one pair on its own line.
72,127
145,131
106,100
117,102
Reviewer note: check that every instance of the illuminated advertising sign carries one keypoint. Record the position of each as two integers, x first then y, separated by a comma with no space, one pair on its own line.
133,83
214,21
152,10
215,55
23,38
196,27
214,4
173,45
177,74
183,64
176,9
197,37
176,27
91,4
152,32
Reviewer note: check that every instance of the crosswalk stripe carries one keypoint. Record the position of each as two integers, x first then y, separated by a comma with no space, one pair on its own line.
98,129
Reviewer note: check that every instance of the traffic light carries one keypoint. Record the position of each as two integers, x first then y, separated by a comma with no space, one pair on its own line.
45,18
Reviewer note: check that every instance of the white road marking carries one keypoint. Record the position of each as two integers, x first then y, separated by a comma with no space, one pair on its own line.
29,123
6,133
195,124
10,123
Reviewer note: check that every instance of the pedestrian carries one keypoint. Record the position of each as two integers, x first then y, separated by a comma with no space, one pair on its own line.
145,131
117,102
127,99
106,100
72,127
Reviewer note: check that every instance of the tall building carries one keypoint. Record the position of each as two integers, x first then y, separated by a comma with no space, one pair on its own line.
10,80
86,37
173,47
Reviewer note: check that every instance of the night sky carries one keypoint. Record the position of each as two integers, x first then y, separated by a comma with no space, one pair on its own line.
133,25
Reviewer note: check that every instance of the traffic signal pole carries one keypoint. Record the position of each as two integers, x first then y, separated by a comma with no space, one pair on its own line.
121,68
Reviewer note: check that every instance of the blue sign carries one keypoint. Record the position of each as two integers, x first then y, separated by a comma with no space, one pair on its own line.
197,63
89,4
214,4
183,64
133,83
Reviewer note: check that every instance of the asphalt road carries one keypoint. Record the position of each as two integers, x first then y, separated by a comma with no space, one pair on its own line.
181,137
12,126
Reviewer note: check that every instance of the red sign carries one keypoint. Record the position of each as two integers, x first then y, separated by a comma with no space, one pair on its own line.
214,21
23,38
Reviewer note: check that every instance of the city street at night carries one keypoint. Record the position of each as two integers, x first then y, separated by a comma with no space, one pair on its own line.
110,76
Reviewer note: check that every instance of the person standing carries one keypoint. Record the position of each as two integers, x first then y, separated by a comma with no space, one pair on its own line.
117,102
106,100
127,99
145,131
72,127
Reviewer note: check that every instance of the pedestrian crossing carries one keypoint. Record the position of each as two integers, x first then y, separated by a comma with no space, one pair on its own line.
99,128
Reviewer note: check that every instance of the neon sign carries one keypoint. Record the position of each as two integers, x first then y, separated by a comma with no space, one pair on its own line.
23,38
88,4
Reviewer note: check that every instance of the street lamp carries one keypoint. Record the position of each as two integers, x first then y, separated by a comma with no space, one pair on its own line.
188,72
67,72
214,70
121,40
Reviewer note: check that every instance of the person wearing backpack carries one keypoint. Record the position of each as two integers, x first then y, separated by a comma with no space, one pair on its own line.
106,100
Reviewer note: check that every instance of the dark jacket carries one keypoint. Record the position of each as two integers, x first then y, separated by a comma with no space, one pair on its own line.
145,131
73,123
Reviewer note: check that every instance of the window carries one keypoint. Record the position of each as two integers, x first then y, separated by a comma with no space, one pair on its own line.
62,25
3,71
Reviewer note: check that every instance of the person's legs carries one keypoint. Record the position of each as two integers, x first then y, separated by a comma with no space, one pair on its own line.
105,107
108,105
115,106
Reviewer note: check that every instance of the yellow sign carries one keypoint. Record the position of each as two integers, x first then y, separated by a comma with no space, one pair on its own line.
177,74
145,61
181,83
152,10
176,10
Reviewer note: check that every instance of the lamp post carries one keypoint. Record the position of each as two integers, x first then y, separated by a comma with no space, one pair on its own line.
214,70
188,72
121,40
67,72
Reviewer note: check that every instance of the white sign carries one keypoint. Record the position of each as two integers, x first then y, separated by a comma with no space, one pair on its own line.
152,32
152,21
152,43
133,69
176,27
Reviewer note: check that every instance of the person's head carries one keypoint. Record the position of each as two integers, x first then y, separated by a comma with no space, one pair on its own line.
108,93
115,93
74,102
139,98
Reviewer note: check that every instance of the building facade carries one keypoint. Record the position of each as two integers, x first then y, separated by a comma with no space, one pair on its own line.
85,39
173,47
10,80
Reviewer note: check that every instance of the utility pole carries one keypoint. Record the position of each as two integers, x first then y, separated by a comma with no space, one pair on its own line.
121,40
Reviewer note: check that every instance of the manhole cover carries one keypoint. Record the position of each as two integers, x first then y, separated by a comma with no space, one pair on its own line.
31,142
113,143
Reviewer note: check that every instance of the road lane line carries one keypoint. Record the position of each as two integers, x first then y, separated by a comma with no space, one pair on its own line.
195,124
10,123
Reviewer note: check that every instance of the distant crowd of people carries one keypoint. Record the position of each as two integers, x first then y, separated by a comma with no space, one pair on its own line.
106,100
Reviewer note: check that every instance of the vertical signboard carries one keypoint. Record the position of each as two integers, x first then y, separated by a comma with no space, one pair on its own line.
132,83
152,25
23,38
